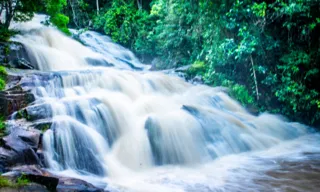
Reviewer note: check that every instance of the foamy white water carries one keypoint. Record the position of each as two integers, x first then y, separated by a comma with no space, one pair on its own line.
129,130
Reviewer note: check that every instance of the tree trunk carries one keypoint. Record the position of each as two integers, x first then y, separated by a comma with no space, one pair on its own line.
254,78
75,20
98,9
8,8
139,3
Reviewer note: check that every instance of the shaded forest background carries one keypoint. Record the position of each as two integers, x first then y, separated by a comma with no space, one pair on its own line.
266,52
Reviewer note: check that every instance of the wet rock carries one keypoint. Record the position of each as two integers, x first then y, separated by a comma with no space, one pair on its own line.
34,174
192,110
30,187
14,55
131,65
196,80
183,69
42,125
18,148
41,111
156,64
35,112
52,182
76,185
155,138
98,62
11,101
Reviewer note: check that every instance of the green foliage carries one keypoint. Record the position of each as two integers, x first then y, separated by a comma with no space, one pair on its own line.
2,124
123,22
120,22
302,99
4,182
54,8
265,52
22,180
239,92
22,10
3,76
5,34
197,68
2,84
61,21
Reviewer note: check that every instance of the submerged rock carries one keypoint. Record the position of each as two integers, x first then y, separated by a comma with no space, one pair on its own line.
98,62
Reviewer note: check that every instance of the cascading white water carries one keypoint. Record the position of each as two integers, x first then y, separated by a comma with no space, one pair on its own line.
146,131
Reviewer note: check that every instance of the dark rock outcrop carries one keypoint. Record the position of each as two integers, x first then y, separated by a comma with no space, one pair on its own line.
14,97
35,174
71,184
14,101
19,147
14,55
30,187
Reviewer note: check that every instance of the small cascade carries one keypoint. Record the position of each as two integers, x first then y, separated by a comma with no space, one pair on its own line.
112,123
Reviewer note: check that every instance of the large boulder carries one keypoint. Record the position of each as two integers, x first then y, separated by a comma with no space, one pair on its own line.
30,187
19,148
36,174
76,185
14,97
11,101
14,55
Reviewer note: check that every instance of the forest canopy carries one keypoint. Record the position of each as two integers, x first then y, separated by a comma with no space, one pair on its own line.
265,52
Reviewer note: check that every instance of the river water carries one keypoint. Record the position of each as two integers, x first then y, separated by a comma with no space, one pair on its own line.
124,128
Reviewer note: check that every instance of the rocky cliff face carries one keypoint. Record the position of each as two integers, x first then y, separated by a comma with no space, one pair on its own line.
21,146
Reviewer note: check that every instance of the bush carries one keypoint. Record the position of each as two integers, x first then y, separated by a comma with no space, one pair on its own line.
197,68
5,34
3,76
61,21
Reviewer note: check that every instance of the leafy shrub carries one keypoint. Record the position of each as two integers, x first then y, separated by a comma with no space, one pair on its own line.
197,68
5,34
3,76
61,21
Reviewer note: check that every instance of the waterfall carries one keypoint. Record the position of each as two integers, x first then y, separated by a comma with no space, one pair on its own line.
112,119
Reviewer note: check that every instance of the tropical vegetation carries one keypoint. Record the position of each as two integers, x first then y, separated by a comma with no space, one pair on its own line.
266,52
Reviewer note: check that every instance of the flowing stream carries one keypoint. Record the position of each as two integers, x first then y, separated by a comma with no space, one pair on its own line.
119,126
